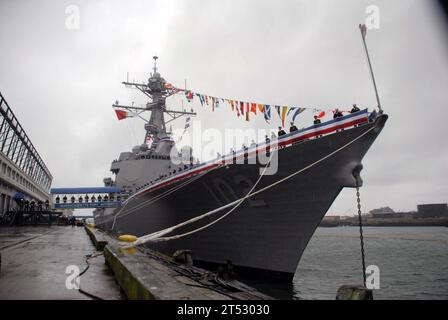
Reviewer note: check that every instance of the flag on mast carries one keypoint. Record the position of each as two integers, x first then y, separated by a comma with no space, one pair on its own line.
363,29
284,110
298,111
253,108
121,114
267,112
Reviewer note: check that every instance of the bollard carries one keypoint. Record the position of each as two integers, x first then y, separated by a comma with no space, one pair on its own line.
354,293
183,257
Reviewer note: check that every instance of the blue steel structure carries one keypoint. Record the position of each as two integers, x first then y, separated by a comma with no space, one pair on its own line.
86,198
85,190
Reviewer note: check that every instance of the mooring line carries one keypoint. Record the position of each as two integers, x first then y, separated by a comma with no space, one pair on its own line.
120,215
156,236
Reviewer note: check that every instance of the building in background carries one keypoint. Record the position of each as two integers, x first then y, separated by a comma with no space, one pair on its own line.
434,210
384,212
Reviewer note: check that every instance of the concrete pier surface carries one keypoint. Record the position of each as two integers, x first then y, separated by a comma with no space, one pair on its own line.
34,261
38,263
144,274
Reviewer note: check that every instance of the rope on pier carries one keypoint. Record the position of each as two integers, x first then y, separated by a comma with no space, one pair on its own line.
158,235
88,257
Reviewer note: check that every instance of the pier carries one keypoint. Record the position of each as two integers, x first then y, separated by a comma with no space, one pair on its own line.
146,274
36,264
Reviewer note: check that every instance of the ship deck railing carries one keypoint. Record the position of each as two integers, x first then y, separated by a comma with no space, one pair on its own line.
326,128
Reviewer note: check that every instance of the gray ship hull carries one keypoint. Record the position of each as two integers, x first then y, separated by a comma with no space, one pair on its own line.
268,232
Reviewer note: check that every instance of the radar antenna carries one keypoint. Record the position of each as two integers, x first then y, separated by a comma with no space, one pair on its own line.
157,90
155,63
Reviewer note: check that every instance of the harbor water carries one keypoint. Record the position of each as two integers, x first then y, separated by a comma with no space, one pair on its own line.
412,262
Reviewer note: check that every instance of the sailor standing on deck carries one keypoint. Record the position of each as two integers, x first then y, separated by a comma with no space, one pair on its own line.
281,132
253,144
293,127
268,145
266,139
354,109
337,114
316,122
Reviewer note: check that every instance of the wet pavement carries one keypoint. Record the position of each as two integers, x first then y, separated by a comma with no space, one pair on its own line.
34,261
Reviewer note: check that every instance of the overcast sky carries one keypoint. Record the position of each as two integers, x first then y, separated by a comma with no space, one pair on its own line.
61,82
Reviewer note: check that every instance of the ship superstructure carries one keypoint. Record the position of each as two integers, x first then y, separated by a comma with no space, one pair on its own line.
267,232
149,161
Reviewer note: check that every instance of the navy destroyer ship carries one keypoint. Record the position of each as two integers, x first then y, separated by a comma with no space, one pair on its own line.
267,232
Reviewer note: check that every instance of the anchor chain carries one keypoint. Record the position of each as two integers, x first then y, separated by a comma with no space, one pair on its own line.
361,237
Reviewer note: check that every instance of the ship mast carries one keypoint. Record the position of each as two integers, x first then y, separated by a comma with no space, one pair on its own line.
157,91
363,29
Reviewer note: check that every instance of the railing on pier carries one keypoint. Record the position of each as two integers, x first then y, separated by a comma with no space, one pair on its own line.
84,198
